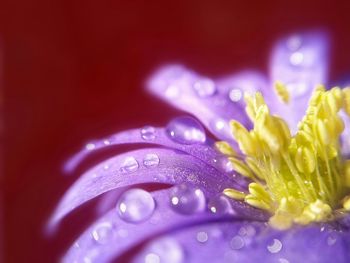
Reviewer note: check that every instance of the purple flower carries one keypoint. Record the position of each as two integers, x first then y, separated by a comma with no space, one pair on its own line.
275,191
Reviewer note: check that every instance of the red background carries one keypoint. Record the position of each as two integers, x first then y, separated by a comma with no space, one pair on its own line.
75,70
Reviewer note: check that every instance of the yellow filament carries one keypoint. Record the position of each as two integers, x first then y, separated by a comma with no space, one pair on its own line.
300,178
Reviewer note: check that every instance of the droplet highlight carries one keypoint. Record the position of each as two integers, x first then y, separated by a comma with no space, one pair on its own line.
219,205
237,242
204,87
129,165
135,205
151,160
103,233
187,199
148,133
202,237
186,130
235,95
275,247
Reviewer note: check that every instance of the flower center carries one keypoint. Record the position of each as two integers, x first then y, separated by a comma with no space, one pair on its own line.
299,178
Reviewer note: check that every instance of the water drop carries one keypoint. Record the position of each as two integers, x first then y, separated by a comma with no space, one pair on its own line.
204,87
148,133
218,124
172,92
250,230
90,146
283,260
297,89
237,242
186,199
219,205
275,247
235,95
331,240
135,205
166,249
129,165
296,58
186,130
152,258
106,142
242,231
102,234
202,237
151,159
294,43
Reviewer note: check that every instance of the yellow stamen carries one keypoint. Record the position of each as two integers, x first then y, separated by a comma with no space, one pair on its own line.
301,178
282,91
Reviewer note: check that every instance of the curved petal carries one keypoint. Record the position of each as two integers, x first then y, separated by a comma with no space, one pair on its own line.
145,135
142,166
241,241
110,236
301,62
198,95
345,136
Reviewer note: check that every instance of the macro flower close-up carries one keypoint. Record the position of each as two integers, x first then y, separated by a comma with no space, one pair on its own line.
175,131
258,170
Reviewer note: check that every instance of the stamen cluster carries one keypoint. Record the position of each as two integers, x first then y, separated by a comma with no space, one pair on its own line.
299,178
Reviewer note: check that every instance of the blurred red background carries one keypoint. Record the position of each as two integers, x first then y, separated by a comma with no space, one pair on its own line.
75,70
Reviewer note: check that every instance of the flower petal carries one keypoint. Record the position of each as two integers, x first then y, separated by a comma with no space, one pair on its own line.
300,62
345,136
200,96
250,242
142,166
111,236
145,135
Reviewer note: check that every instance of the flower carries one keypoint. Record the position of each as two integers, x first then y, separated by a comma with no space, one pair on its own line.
273,192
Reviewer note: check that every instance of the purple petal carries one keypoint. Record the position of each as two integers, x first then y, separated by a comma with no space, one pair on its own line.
345,136
199,96
250,242
111,236
145,135
301,62
142,166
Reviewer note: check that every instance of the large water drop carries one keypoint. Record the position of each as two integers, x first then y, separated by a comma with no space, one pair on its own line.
135,205
186,130
187,199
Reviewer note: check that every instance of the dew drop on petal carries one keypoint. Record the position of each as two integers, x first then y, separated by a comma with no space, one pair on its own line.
237,242
172,92
129,165
151,159
242,231
235,95
148,133
167,250
90,146
275,247
102,233
251,231
106,142
219,205
135,205
283,260
297,89
152,258
296,58
202,237
331,240
187,199
294,42
186,130
204,87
